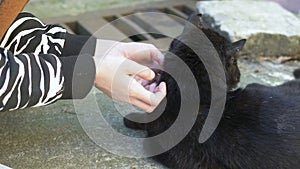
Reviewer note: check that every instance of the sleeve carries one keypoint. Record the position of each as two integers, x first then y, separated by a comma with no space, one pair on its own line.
28,34
29,80
34,69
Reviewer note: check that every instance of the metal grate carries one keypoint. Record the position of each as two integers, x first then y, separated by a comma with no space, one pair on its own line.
135,26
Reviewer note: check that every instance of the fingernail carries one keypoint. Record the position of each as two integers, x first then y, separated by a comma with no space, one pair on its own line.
152,74
162,86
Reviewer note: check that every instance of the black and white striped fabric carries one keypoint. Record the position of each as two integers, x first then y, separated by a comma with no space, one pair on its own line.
28,34
31,70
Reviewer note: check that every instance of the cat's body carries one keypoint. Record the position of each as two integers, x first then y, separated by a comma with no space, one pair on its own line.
260,126
259,129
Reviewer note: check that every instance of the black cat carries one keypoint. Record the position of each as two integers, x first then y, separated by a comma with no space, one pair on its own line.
260,126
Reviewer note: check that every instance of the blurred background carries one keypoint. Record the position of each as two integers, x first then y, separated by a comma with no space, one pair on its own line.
52,8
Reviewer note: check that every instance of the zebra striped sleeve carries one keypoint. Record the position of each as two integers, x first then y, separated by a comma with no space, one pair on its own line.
29,80
28,34
36,68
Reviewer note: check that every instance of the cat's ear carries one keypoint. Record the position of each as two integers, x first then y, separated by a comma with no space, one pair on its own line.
196,19
235,46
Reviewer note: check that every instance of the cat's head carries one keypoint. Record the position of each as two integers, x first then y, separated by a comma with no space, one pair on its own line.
231,62
228,51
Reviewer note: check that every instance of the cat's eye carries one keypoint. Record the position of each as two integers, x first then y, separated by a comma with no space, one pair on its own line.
233,60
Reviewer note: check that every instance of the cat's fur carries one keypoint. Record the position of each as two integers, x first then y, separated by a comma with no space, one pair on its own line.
259,129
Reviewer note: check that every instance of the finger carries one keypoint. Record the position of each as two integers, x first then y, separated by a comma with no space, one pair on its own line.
139,92
144,72
148,53
152,99
141,81
142,105
147,87
152,87
157,56
160,93
145,82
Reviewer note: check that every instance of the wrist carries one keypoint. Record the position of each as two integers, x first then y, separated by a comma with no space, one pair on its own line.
104,46
97,74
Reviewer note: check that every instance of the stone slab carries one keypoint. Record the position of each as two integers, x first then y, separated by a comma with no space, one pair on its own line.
270,29
52,137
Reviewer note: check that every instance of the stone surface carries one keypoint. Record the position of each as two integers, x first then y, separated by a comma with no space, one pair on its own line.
52,137
270,29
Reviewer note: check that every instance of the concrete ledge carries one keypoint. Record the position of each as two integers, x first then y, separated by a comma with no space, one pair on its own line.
270,29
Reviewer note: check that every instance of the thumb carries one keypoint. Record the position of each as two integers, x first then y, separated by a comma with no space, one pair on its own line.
140,70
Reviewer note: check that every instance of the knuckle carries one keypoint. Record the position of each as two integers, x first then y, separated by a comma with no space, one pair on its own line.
131,93
151,109
151,46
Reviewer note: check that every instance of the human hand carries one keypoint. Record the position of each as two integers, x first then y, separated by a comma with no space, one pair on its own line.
123,70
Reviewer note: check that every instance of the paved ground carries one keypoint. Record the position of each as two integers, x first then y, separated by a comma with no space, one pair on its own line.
52,137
